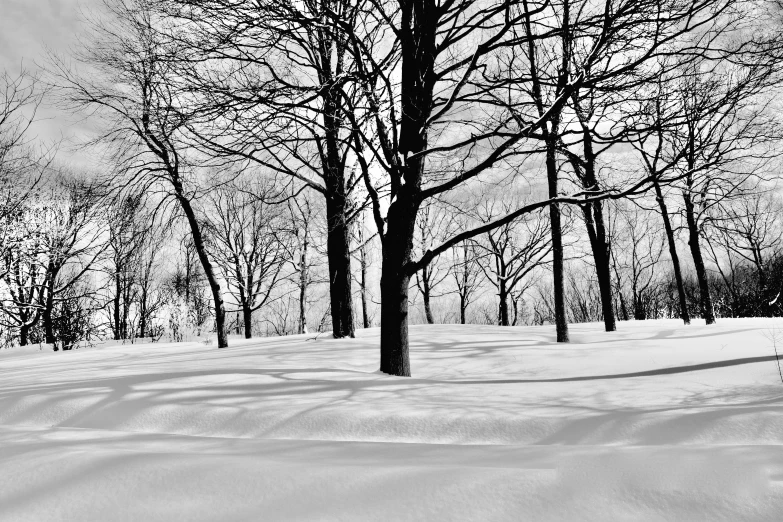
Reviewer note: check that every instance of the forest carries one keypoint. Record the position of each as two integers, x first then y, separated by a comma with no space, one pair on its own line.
262,169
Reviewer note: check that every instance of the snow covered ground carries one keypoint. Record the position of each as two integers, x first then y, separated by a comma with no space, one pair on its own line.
655,422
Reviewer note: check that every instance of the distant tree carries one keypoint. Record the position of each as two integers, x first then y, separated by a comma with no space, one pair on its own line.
247,236
640,245
747,232
128,78
432,226
73,245
466,273
509,253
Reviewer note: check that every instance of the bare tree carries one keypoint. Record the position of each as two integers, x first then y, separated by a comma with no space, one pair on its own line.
431,227
466,272
248,244
507,61
746,231
640,245
511,252
23,267
272,80
129,79
72,242
301,255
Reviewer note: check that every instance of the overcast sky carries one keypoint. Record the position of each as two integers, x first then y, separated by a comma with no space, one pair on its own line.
27,27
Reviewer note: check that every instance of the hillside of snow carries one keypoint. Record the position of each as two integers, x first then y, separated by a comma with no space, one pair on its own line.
657,421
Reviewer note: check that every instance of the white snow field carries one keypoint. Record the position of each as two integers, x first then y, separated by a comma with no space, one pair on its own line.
655,422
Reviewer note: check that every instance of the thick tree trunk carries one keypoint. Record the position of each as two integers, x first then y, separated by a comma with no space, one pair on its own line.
503,319
24,334
339,256
667,225
698,261
247,317
395,281
418,51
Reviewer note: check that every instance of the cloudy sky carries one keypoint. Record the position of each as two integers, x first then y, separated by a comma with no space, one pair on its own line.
27,28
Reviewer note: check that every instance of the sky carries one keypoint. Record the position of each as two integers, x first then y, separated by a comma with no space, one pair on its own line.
27,29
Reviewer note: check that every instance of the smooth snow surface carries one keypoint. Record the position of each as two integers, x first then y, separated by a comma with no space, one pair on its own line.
655,422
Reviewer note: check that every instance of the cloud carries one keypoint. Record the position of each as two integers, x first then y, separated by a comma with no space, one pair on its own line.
27,29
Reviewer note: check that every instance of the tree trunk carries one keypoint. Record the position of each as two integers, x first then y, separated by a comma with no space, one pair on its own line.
503,319
339,256
303,281
209,272
24,334
247,317
117,300
46,314
417,38
395,281
596,232
143,316
698,261
425,282
363,261
686,318
561,323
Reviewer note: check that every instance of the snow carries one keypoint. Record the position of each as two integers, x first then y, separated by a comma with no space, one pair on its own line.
657,421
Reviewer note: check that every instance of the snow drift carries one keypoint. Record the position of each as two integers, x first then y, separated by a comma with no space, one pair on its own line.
655,422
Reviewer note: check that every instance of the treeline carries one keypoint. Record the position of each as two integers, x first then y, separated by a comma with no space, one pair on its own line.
447,145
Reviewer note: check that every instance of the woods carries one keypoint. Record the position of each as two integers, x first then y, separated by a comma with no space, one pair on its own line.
327,165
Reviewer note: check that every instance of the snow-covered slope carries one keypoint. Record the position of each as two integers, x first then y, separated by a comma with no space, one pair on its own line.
655,422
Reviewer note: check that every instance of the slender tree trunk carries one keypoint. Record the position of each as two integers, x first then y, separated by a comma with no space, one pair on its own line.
125,313
623,305
596,232
698,261
363,261
116,311
48,310
303,277
667,225
425,282
143,315
558,269
603,271
209,272
515,301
